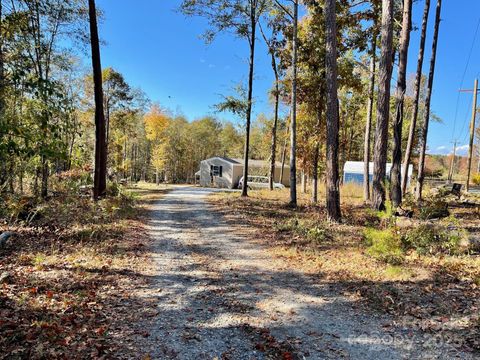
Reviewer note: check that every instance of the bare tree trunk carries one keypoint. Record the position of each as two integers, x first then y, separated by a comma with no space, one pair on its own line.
45,173
136,163
273,150
100,178
20,180
70,153
284,155
11,178
132,161
107,122
395,173
316,157
135,151
125,170
3,169
146,164
35,181
332,184
343,138
424,135
316,154
275,123
304,182
368,125
383,106
293,125
350,140
340,145
253,24
416,96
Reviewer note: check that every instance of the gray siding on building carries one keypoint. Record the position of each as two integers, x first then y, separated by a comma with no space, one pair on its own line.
286,175
237,174
232,172
226,179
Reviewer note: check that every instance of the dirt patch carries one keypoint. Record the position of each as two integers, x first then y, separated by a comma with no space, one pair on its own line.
436,295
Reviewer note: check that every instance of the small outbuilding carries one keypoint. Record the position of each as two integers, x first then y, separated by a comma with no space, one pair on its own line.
353,172
223,172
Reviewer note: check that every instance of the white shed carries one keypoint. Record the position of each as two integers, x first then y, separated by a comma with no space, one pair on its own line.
224,172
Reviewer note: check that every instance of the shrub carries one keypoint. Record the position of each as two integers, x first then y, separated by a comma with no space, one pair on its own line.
16,208
113,188
433,208
311,231
476,179
387,217
123,204
423,239
318,234
428,239
287,226
384,245
70,182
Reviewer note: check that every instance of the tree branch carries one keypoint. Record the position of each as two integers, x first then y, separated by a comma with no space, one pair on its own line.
284,8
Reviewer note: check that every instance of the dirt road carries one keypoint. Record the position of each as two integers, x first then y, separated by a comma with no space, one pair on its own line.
221,295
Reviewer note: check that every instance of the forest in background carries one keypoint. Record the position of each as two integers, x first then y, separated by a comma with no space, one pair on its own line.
49,132
48,109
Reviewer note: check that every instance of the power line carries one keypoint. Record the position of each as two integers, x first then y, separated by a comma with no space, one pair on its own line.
467,118
463,78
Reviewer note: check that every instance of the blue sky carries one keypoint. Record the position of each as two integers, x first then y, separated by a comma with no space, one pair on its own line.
159,50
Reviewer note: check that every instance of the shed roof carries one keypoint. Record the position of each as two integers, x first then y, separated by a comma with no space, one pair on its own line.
232,161
259,163
356,167
251,162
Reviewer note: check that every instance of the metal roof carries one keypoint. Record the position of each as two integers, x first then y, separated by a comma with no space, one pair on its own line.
260,163
233,161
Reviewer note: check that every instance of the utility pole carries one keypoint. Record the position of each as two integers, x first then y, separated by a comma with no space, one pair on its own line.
452,162
472,133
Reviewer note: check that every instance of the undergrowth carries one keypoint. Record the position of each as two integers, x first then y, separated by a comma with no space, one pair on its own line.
390,243
70,267
313,232
384,245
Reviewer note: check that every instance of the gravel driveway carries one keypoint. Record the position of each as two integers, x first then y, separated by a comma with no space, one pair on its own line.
222,296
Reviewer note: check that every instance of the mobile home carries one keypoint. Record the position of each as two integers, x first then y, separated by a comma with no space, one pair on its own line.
223,172
353,172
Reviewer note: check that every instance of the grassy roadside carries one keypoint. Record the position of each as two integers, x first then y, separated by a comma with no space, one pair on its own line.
435,292
69,278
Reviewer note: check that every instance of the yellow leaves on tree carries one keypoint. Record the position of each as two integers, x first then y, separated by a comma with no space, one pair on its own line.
156,121
158,156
